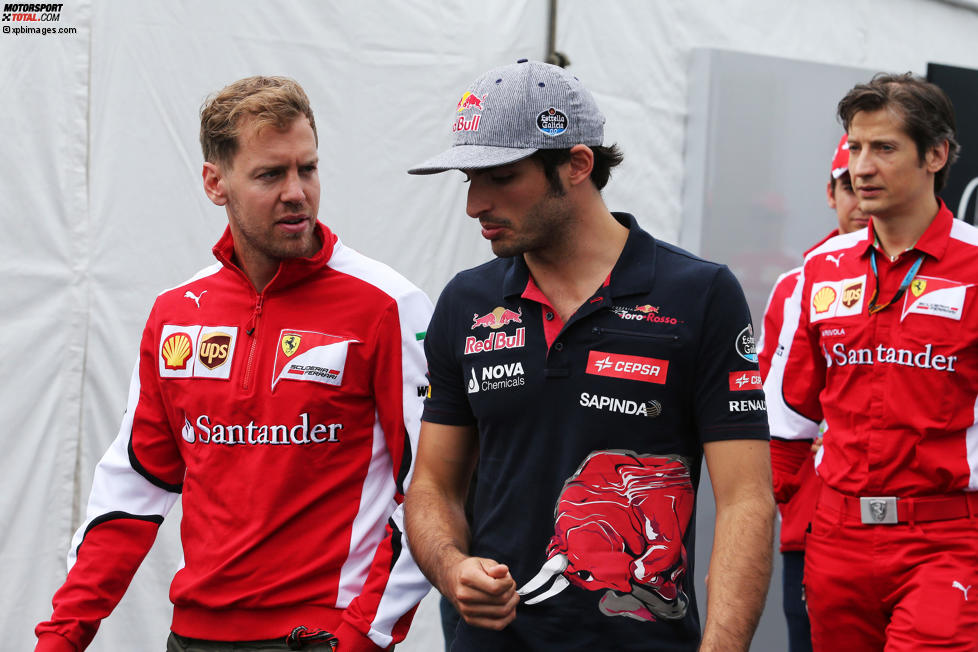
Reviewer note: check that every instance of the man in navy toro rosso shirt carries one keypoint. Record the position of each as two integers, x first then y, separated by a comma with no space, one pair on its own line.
587,371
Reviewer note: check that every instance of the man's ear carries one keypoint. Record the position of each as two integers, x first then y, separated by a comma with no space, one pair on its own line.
936,156
214,184
581,164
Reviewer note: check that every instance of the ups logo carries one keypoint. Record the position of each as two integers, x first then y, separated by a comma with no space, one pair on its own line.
213,351
852,294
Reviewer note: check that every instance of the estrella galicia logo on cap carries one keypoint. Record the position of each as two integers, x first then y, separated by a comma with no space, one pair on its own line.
745,344
552,122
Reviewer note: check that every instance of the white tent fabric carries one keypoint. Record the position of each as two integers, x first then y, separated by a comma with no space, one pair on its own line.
100,172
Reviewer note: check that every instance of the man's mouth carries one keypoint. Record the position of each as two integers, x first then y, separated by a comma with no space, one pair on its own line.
294,223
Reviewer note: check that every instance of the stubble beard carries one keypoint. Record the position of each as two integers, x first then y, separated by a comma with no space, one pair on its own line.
272,245
545,226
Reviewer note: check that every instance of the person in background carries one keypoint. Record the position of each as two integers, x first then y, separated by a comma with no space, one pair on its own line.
795,483
881,341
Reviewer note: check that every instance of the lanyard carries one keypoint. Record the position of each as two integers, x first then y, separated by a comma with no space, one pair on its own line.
907,280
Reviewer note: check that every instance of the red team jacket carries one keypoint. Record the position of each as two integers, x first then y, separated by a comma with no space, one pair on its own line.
793,472
288,421
898,389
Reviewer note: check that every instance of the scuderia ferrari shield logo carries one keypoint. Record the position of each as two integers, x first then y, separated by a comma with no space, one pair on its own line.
311,356
290,344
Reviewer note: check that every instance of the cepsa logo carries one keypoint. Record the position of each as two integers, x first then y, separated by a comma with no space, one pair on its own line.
742,381
31,13
628,367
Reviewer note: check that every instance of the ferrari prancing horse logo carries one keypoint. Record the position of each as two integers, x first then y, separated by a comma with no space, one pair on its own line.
918,286
290,344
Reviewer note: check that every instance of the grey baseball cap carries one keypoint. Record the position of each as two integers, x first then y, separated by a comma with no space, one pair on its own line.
511,112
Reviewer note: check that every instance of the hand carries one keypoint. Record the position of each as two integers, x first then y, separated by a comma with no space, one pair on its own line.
816,444
483,592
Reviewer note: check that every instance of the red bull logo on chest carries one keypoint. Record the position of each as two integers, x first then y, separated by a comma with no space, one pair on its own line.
496,342
498,318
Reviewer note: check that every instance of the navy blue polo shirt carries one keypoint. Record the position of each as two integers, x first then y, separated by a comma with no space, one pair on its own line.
591,436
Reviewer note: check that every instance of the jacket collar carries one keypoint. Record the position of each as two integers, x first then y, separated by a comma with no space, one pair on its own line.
290,270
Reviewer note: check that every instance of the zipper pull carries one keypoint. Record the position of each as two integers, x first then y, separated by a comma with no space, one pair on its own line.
253,322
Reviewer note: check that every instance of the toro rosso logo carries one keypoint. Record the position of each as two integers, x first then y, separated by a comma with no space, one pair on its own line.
619,527
498,318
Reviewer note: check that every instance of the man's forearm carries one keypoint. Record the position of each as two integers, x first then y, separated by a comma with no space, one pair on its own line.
739,573
437,532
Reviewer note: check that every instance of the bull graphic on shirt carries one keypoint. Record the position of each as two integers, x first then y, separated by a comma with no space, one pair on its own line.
619,527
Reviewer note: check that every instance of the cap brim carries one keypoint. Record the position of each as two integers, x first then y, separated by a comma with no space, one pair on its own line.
838,172
471,157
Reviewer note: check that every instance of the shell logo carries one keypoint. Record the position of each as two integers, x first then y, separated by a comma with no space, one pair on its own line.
176,350
824,299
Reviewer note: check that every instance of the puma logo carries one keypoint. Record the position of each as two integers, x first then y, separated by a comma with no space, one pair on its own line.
191,295
958,585
835,259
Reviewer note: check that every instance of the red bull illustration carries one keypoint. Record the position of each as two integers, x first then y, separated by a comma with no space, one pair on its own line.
619,527
498,318
470,101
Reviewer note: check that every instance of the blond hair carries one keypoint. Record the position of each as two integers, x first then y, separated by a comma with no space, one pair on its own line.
268,101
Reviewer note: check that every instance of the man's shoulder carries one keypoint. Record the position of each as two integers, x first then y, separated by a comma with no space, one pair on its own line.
785,285
487,277
837,244
185,288
963,232
373,273
674,257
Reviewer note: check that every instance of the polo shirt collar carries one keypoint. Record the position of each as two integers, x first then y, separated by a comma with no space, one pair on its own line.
934,240
633,273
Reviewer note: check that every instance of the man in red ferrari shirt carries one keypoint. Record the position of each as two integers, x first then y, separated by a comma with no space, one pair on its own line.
796,485
276,393
881,341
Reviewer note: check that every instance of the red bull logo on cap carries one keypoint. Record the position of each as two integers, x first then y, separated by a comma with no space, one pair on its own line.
470,101
498,318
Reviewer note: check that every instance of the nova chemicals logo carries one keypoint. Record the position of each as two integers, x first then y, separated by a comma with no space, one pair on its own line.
499,376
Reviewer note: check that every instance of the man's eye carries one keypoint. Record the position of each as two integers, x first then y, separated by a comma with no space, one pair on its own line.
501,178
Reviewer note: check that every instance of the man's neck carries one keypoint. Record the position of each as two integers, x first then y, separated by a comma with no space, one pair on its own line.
897,233
572,272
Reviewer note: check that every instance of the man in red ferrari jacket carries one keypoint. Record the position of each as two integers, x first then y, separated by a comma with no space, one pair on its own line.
796,486
881,341
279,393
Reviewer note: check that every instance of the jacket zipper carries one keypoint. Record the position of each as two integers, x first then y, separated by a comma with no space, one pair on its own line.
597,330
250,332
